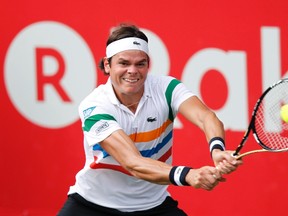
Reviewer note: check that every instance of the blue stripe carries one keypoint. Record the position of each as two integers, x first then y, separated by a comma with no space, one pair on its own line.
144,153
156,149
97,147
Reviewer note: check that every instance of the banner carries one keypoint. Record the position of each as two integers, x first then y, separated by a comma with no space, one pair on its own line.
226,52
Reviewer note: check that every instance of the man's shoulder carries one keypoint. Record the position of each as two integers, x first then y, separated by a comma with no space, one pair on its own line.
158,79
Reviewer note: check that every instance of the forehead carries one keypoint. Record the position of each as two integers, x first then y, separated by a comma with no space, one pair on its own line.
136,55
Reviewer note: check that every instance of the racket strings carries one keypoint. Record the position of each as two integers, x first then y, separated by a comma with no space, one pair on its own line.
271,130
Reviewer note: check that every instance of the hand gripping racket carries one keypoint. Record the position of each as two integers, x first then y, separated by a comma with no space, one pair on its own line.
266,124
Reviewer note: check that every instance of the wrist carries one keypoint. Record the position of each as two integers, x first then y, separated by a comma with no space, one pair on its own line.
177,175
216,143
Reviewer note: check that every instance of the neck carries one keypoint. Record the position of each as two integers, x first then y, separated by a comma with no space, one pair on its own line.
132,104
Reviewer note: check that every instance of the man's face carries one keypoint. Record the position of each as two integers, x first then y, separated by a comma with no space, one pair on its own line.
128,71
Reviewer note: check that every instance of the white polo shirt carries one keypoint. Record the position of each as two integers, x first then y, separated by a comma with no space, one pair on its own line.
102,180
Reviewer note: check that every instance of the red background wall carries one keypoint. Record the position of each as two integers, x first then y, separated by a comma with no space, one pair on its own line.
38,164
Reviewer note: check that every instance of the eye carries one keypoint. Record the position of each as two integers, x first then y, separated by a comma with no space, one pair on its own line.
142,64
123,63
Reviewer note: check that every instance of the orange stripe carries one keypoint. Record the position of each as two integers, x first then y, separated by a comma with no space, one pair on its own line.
150,135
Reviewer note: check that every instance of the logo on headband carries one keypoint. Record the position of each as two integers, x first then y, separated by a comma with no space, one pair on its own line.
136,43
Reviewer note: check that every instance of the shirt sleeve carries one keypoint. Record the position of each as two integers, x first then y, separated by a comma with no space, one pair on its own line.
97,124
180,94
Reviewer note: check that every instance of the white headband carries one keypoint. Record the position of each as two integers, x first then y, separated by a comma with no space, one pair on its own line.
130,43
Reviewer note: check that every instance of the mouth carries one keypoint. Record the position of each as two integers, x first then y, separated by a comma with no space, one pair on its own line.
130,80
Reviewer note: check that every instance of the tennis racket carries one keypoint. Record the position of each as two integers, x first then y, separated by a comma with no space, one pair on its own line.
266,124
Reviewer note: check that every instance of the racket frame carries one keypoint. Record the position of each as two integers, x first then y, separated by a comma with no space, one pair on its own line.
251,127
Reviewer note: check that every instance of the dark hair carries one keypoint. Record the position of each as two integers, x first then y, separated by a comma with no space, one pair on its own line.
120,32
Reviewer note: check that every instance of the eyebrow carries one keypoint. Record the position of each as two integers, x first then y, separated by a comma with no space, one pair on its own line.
142,60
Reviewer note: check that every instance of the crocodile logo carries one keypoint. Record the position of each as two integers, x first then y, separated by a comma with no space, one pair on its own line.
151,119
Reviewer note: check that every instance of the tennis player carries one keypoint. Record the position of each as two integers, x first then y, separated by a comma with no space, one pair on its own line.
128,133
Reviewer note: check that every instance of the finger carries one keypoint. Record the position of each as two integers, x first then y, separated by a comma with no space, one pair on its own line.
209,186
208,178
207,182
221,168
225,168
229,165
217,175
213,178
233,160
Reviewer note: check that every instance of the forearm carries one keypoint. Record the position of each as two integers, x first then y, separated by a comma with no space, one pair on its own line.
200,115
212,126
149,169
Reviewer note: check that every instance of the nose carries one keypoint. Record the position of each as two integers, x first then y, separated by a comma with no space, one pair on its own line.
132,69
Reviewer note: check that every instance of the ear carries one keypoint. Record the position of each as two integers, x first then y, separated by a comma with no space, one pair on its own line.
106,65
